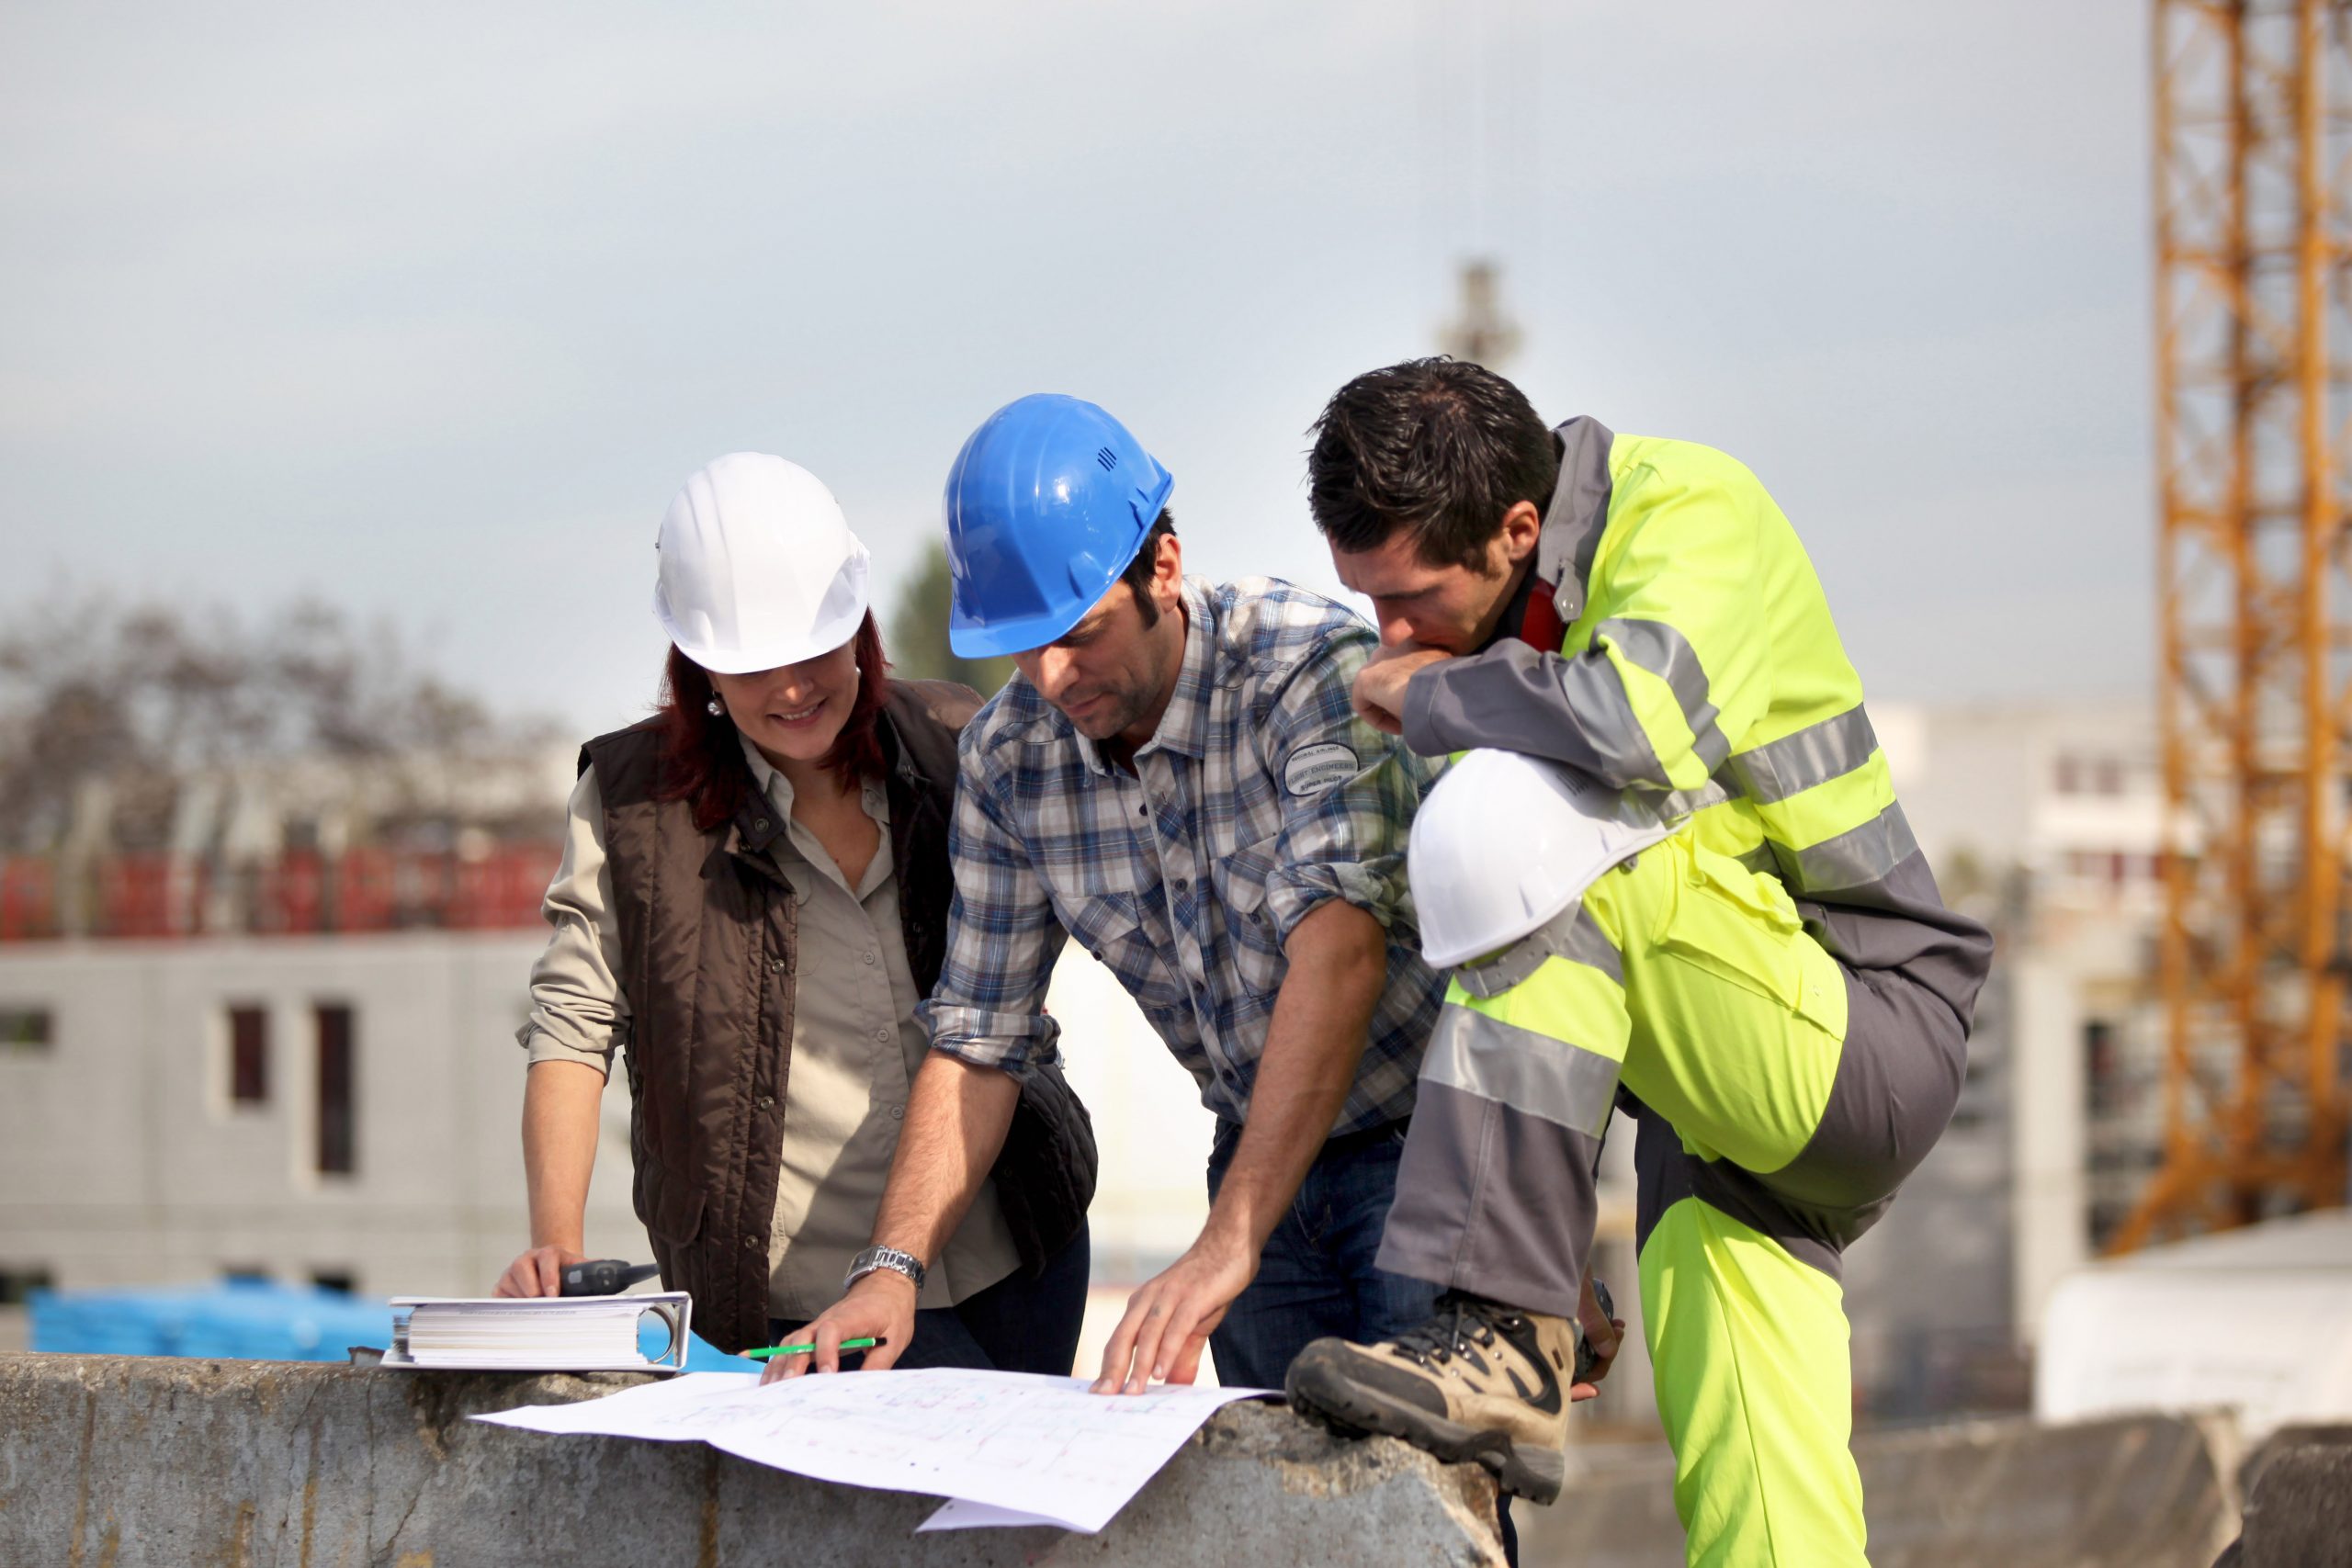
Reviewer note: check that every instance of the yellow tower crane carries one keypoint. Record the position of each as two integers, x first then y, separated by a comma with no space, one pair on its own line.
2253,134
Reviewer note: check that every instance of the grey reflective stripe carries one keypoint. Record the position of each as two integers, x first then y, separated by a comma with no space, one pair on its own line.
1585,943
1572,935
1603,713
1578,515
1813,755
1668,654
1866,855
1691,802
1533,1073
1761,858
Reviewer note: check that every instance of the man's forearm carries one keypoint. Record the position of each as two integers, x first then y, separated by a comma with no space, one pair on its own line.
1571,710
956,1119
1339,964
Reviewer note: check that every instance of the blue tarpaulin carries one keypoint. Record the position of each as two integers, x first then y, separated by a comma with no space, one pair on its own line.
257,1320
247,1319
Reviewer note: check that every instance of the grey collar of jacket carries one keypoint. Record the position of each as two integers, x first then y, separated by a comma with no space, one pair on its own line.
1578,512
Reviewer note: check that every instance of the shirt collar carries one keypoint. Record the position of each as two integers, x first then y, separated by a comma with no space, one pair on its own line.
1184,725
1577,515
778,788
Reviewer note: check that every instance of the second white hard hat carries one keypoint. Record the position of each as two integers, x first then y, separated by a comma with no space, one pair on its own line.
758,566
1503,843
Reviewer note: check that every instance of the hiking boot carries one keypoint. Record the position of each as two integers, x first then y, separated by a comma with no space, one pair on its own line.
1478,1382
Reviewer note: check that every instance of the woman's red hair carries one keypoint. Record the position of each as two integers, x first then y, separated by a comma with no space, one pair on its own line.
702,760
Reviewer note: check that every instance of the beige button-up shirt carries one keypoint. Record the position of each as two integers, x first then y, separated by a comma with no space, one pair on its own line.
855,1046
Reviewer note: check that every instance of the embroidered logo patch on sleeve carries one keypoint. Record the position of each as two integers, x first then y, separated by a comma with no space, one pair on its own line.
1314,769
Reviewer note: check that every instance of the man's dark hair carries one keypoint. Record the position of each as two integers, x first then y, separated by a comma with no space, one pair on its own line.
1140,572
1439,447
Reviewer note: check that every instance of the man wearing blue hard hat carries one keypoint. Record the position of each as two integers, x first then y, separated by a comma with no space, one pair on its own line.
1175,778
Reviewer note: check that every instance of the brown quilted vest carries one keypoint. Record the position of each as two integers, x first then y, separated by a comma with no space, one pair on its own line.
708,938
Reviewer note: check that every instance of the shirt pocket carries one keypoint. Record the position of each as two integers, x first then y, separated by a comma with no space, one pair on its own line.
1240,881
1110,926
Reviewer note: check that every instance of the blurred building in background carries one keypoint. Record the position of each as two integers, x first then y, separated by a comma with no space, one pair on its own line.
278,1041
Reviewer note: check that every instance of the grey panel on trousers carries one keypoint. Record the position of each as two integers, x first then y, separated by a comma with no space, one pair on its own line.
1899,1079
1555,1079
1900,922
1492,1201
1665,1174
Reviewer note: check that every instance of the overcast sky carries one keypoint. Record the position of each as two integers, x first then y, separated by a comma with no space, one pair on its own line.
428,310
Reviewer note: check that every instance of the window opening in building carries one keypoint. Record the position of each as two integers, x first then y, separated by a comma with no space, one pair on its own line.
2100,1063
26,1029
18,1282
338,1126
341,1279
248,1056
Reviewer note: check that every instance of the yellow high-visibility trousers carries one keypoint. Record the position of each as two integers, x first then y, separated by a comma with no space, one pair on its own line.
1782,1098
1749,1348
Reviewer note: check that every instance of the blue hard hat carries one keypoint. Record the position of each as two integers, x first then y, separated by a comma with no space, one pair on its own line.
1047,504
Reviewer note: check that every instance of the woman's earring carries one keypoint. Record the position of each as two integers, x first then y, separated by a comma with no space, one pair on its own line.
716,708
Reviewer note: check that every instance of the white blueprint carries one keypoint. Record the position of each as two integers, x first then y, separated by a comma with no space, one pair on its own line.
1012,1441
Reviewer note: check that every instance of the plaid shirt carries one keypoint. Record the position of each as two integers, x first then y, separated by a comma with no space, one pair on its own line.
1259,797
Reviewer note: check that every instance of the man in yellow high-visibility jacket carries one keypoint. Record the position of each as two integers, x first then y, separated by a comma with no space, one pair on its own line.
1775,988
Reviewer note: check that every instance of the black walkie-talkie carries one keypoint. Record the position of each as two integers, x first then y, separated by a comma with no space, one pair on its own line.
605,1277
1585,1359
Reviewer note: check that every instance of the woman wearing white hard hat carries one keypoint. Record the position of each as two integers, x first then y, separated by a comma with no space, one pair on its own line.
753,901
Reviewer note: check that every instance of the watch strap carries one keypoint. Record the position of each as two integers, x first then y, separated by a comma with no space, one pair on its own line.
890,1258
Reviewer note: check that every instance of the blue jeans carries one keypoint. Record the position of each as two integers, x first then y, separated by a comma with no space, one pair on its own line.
1316,1277
1018,1325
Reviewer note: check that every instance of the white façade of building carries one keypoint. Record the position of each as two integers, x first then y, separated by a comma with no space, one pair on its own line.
376,1143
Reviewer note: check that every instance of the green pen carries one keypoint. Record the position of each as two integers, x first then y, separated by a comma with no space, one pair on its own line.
805,1350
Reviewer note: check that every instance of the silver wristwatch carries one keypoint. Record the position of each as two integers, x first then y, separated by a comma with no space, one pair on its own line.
888,1257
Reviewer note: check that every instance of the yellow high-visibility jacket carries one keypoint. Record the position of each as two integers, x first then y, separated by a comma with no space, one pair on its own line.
1699,661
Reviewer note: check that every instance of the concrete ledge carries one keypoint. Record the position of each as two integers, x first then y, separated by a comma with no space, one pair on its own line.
2299,1513
2149,1491
2295,1434
121,1461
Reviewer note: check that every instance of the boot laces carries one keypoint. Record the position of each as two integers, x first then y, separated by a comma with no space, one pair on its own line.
1461,1325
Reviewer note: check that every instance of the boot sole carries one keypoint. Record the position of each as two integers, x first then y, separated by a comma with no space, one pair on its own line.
1534,1471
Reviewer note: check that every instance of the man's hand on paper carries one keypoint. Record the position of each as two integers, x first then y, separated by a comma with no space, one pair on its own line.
539,1273
1168,1321
881,1305
1379,691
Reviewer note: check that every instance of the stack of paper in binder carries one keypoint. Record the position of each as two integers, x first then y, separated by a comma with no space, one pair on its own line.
550,1334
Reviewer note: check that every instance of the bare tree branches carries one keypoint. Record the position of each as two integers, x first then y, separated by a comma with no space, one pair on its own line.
142,695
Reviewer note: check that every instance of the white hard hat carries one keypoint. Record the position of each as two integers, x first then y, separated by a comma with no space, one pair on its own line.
759,568
1504,843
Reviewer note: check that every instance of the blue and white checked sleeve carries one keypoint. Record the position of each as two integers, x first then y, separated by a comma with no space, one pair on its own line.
1003,938
1345,823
